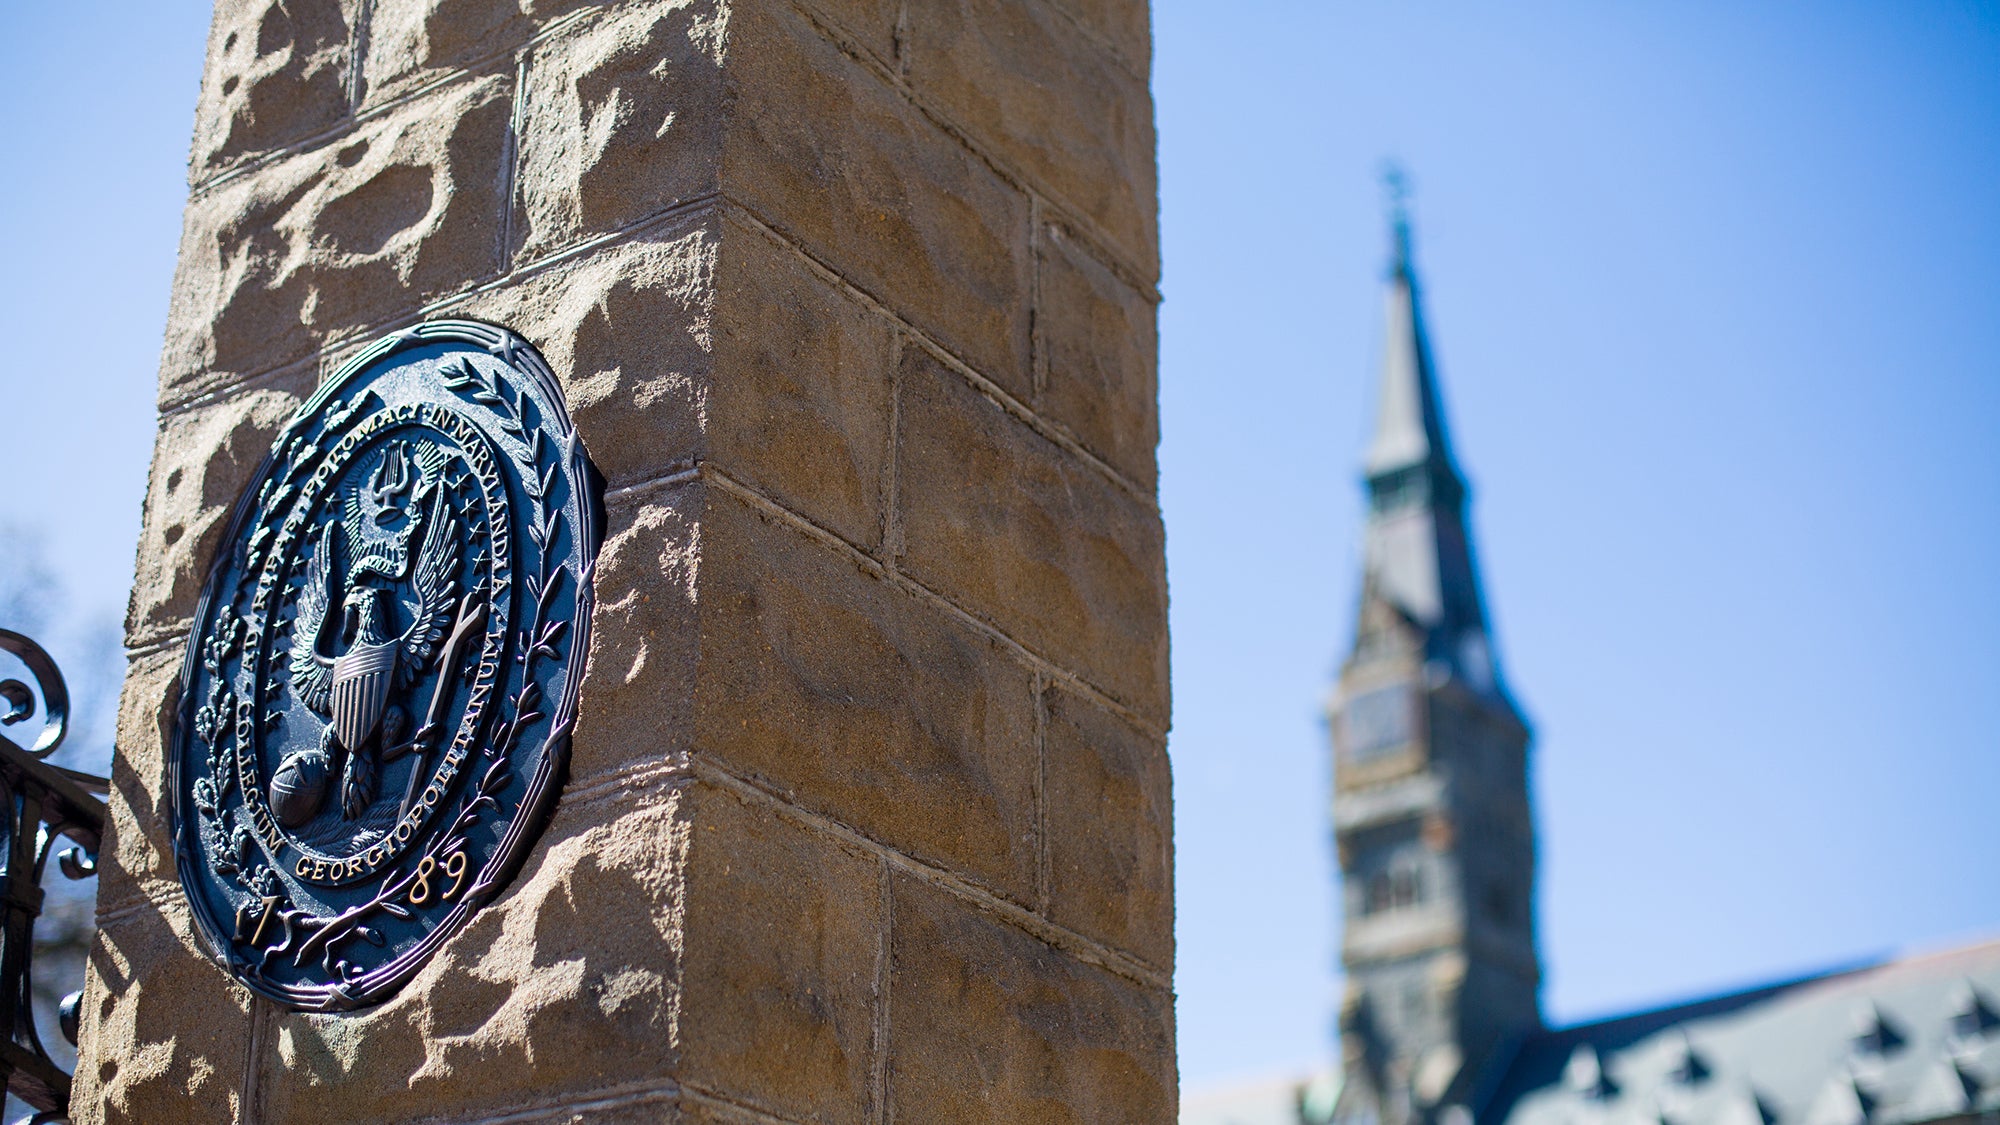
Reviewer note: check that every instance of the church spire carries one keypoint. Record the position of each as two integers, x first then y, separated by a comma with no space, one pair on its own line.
1418,552
1431,809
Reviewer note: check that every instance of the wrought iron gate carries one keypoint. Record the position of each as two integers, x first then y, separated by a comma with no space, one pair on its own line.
42,806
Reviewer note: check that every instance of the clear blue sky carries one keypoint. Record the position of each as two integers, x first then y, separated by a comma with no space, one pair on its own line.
1716,293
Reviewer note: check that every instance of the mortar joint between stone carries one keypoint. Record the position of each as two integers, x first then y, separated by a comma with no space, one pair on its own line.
357,64
674,771
879,1110
564,1109
732,1107
893,541
1103,42
1043,894
677,472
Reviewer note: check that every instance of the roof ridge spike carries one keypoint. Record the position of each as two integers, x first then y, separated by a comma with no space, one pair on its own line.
1409,419
1874,1034
1971,1015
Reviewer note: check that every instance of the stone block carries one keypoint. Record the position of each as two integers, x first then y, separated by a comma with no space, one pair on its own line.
412,43
567,985
339,241
278,73
1110,829
852,698
622,121
869,24
138,852
1049,102
628,331
637,699
1100,348
203,460
1029,537
144,1059
801,402
827,153
987,1023
783,944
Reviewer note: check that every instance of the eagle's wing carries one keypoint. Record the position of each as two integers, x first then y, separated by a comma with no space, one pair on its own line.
312,673
435,582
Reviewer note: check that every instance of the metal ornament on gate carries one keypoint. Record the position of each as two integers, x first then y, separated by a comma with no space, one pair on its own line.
383,672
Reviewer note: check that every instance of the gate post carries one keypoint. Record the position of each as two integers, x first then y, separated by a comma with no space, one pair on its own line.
867,813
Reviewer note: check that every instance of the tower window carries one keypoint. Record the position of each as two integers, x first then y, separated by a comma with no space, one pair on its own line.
1378,721
1396,888
1400,489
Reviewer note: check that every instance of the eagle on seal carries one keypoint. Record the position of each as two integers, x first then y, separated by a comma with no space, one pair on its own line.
353,690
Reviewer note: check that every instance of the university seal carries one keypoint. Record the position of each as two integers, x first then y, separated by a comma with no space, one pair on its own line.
378,692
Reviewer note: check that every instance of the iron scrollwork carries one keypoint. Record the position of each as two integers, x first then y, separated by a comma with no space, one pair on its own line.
42,805
378,692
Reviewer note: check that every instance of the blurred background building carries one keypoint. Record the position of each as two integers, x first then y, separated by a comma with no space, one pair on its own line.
1441,1021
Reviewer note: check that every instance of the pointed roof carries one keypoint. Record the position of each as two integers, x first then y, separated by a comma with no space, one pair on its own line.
1409,413
1418,554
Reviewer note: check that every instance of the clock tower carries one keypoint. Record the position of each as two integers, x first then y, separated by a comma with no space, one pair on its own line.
1431,813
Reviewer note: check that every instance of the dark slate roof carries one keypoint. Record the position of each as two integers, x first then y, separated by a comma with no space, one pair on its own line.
1913,1040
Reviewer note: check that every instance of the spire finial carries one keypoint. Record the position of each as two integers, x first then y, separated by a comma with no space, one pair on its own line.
1396,192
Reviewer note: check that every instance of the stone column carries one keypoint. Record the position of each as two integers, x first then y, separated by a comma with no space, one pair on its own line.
853,303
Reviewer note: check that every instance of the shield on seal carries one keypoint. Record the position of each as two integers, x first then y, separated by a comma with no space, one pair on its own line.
361,680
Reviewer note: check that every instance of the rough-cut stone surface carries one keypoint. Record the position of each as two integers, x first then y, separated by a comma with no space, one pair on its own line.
411,44
1111,874
802,409
621,122
205,458
566,985
341,240
1031,538
182,1029
852,698
137,860
629,332
782,943
1100,356
835,159
639,708
989,1024
1051,102
278,73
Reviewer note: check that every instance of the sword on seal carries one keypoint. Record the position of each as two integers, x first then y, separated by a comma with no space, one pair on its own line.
471,611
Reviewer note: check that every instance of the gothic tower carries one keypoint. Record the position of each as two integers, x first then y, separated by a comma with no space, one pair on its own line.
1431,809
